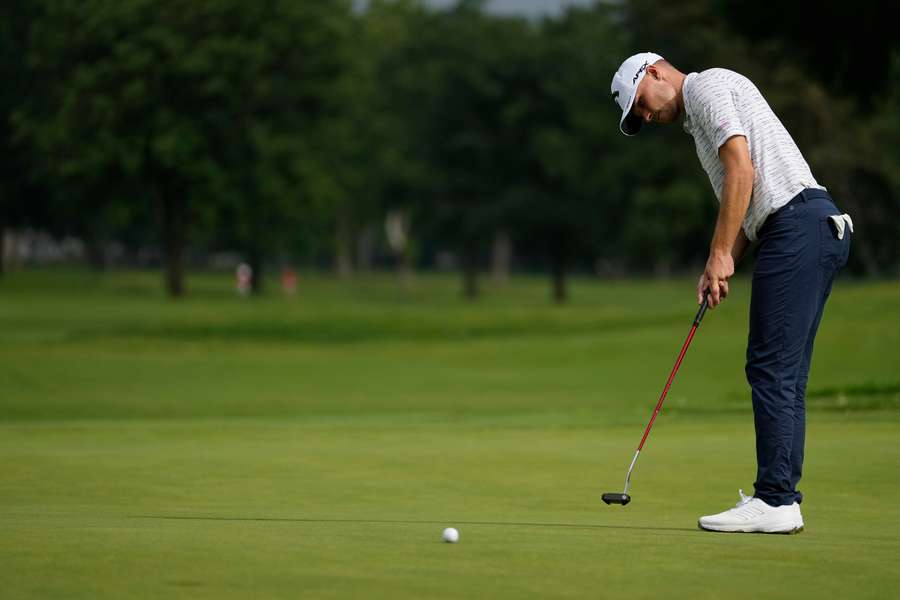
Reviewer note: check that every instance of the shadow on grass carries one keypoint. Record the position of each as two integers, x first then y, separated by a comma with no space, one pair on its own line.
408,522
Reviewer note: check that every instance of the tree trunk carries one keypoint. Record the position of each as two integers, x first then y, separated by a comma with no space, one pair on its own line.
558,273
405,271
365,248
501,258
255,260
173,220
867,256
343,246
2,248
662,268
96,253
470,273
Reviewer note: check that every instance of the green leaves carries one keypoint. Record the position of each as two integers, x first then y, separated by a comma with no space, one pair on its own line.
270,122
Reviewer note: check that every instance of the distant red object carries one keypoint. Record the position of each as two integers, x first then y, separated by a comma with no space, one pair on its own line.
289,281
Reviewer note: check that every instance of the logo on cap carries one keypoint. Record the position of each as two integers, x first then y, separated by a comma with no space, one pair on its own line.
639,71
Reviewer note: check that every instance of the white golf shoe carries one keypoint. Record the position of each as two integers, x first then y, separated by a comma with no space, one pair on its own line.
752,515
798,516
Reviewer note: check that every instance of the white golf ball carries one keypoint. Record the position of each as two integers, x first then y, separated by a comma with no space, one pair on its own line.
450,535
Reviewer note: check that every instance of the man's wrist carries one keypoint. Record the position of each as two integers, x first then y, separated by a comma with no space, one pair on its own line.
720,253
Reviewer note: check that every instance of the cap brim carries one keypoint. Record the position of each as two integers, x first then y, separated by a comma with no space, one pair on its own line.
631,124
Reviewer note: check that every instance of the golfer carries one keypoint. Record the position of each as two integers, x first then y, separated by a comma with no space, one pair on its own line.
767,195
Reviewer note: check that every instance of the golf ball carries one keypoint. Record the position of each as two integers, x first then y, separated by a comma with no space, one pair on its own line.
450,535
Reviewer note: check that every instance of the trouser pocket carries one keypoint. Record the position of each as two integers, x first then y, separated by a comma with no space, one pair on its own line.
835,233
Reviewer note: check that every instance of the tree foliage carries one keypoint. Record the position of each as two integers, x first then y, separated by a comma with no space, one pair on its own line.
209,112
287,129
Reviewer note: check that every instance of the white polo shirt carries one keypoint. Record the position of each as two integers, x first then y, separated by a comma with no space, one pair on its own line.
719,104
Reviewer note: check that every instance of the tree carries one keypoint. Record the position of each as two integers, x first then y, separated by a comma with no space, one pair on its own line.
396,171
275,132
571,139
23,200
455,94
195,109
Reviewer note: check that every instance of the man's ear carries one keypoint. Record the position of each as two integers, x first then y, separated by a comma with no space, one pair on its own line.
652,70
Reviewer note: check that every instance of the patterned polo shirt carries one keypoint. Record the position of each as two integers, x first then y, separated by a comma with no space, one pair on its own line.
719,104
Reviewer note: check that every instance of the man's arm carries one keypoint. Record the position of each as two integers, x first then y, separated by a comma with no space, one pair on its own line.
740,246
729,242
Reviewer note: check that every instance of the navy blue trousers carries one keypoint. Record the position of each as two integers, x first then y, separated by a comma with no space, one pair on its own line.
798,256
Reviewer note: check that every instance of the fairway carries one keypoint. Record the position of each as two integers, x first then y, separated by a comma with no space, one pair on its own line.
317,446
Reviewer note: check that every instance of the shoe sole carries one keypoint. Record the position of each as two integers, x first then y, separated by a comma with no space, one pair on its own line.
793,531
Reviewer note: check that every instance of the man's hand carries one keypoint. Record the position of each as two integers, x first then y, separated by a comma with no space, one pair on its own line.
719,269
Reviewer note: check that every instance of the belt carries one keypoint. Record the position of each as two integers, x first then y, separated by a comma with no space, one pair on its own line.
806,195
803,196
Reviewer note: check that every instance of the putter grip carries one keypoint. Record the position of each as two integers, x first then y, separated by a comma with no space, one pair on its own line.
702,310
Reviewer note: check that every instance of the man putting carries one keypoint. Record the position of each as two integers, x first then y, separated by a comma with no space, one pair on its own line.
768,195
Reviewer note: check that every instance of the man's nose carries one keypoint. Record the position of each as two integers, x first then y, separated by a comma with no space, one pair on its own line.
648,116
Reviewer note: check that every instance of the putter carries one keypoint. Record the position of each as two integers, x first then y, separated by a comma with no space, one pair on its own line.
624,498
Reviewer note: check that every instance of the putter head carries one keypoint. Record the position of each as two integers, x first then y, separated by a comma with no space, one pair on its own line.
616,498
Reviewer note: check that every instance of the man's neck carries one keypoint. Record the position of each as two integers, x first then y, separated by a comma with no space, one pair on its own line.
678,82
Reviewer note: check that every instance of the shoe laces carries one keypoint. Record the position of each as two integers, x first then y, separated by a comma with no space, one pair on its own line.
744,499
746,508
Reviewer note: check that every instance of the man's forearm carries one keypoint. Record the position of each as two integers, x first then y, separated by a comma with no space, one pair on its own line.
727,245
740,246
729,238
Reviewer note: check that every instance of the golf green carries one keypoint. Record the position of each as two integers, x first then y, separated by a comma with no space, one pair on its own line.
317,446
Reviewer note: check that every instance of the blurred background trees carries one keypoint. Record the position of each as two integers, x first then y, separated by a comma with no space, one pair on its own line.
293,132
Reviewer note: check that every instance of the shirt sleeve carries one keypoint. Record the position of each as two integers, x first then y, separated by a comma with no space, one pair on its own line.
719,114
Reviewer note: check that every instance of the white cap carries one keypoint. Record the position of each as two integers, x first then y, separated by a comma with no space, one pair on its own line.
625,83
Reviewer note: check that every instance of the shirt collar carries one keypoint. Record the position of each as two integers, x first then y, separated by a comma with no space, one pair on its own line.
685,96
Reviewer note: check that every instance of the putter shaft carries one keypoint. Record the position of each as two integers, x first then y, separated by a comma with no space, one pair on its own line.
630,469
662,397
